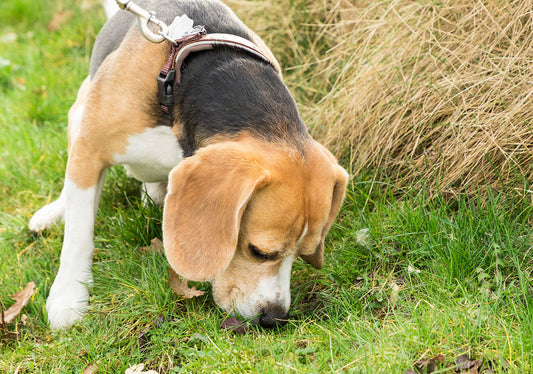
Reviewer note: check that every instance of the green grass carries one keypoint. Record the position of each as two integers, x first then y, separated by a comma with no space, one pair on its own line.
406,277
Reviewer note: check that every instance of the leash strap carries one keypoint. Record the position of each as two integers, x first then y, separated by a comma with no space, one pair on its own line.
200,41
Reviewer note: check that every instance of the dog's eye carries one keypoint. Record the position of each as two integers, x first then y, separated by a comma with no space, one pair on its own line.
260,255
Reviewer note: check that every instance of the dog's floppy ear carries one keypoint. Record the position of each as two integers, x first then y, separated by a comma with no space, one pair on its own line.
316,258
207,195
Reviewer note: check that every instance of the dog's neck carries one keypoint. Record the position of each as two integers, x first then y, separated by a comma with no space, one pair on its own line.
195,42
227,92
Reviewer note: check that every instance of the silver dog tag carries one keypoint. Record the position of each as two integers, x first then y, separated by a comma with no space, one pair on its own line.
180,27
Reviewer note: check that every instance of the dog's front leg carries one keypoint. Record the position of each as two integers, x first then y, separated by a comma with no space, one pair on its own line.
69,294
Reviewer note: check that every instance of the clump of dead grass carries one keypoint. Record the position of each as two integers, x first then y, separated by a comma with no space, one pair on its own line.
427,92
439,93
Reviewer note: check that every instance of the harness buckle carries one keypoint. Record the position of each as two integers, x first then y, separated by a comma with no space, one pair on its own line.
164,88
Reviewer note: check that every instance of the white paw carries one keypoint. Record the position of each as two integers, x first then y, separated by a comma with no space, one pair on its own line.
47,216
66,304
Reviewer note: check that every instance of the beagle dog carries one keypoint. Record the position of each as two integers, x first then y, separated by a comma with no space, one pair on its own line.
246,190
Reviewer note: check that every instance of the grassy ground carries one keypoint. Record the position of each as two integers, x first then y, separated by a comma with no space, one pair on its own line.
408,280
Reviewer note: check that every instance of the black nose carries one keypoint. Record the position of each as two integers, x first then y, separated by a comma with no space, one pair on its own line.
273,316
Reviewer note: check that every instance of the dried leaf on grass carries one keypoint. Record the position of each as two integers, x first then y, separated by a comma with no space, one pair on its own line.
21,299
139,369
8,335
461,365
59,19
429,365
181,287
463,362
236,326
156,245
90,369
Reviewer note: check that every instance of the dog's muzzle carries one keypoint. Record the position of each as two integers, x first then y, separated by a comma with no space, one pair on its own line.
273,315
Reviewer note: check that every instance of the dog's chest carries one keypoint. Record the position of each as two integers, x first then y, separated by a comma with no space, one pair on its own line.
151,155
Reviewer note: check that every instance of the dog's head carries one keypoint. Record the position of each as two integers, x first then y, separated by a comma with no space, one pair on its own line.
239,213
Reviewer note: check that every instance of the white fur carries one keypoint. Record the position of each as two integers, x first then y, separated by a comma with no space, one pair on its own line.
151,155
155,192
69,294
238,211
274,289
110,7
75,121
54,212
304,232
48,216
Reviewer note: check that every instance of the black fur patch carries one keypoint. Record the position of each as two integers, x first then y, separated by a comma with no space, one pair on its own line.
226,91
223,91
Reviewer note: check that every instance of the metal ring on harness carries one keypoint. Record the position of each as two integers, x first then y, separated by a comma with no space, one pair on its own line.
144,17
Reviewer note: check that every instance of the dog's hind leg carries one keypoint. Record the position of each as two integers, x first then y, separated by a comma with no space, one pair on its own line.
48,215
54,212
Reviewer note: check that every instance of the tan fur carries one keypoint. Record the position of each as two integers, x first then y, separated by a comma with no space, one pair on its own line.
272,192
127,115
201,221
140,61
312,247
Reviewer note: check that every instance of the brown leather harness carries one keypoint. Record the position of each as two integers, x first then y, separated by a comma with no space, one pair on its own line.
199,41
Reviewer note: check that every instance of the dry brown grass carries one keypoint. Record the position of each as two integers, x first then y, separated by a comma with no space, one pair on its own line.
424,92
